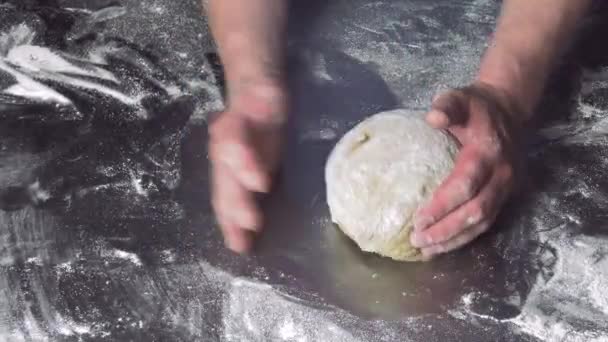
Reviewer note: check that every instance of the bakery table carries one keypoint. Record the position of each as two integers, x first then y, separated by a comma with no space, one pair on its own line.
107,234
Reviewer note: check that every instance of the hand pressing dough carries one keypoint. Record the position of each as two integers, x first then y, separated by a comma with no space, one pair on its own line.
378,175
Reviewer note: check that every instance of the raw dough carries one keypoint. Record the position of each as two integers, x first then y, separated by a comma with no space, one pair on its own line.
378,175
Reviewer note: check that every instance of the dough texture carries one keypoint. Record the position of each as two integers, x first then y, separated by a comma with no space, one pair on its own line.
378,175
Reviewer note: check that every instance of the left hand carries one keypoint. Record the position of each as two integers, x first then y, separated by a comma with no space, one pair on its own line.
483,119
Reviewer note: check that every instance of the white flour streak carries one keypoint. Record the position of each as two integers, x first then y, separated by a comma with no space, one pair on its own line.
64,268
90,85
37,59
19,35
70,328
257,312
122,255
35,261
576,292
29,88
25,62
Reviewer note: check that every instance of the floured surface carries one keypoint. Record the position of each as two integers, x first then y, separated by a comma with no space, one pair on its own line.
154,268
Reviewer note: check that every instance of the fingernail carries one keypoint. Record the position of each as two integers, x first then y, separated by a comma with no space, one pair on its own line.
437,119
255,182
236,245
418,240
427,255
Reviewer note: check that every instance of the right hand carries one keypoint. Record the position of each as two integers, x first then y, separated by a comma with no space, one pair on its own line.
245,148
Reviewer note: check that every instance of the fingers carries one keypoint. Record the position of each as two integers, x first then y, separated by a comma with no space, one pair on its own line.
467,223
470,173
237,173
235,208
237,239
234,204
448,109
482,208
468,201
230,145
460,240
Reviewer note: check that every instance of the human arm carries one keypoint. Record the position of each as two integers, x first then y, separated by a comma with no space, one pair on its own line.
245,139
487,117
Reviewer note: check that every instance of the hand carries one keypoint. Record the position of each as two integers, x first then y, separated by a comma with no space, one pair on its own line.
244,149
483,119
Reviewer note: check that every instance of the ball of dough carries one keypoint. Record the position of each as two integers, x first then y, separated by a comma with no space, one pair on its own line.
378,175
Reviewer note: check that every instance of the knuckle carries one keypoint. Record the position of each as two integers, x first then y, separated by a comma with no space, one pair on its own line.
493,145
467,187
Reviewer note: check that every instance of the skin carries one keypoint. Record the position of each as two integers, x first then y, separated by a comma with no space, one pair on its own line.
245,140
486,117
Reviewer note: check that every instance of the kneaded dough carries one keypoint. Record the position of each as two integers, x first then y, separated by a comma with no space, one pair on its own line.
378,175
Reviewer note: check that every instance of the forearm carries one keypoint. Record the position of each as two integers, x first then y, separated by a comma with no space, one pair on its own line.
250,35
529,39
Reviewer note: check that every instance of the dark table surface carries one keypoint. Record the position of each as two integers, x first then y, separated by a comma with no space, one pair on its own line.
106,232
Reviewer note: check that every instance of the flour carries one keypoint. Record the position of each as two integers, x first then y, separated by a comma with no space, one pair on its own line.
23,61
27,87
257,312
318,134
122,255
417,63
64,268
34,67
70,328
569,303
34,261
38,59
573,304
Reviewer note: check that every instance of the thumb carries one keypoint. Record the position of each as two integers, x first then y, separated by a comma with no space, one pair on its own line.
448,109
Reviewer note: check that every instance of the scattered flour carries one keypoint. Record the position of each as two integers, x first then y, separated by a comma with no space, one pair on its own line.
318,134
573,304
37,59
168,256
34,261
122,255
67,327
257,312
64,268
28,87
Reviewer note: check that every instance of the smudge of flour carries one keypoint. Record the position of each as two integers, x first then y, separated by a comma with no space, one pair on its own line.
256,312
34,261
117,254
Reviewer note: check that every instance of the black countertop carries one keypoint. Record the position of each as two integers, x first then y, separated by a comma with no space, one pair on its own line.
106,231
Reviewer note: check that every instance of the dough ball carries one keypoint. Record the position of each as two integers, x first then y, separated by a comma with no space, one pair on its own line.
379,174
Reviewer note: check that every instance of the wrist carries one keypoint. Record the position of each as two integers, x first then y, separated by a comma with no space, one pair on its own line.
263,98
518,86
248,73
